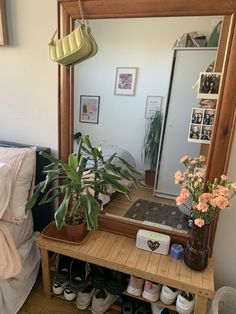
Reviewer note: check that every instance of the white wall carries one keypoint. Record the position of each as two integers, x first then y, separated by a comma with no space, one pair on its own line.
28,104
28,79
144,43
224,252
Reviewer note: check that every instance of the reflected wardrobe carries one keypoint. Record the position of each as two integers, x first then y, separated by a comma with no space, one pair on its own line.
182,97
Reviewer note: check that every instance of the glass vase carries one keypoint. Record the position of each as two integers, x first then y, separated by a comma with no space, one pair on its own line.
196,251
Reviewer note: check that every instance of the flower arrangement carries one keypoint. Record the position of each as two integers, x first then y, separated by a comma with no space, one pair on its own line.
207,199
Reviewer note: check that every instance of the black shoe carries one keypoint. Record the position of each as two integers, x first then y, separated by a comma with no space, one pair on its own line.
62,268
79,275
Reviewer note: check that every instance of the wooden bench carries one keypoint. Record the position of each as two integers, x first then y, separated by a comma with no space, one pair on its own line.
120,253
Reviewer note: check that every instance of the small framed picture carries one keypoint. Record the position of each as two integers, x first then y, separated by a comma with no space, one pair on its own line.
89,109
153,104
125,82
209,83
3,23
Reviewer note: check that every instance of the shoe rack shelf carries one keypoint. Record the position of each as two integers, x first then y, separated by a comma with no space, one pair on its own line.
170,307
120,253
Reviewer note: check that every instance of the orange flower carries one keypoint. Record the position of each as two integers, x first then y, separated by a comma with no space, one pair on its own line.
199,222
220,201
203,207
178,177
205,197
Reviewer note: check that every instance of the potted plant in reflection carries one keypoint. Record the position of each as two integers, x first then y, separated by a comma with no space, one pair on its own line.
151,146
78,183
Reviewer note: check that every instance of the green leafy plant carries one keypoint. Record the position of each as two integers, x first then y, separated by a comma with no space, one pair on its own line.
152,140
79,181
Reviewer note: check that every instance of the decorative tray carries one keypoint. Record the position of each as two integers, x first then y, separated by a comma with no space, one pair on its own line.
51,232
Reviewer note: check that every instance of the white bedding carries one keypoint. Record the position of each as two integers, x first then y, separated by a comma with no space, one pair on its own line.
14,291
109,150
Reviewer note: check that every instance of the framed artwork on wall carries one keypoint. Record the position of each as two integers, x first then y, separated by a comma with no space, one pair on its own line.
89,109
125,81
3,24
153,104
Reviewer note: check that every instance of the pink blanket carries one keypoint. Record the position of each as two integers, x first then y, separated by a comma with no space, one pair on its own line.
10,263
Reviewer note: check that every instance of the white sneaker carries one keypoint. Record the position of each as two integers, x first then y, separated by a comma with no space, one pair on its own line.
168,295
135,286
185,303
69,294
156,309
58,287
151,291
84,297
102,301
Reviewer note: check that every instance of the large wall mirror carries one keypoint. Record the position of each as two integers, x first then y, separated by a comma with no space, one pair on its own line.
122,118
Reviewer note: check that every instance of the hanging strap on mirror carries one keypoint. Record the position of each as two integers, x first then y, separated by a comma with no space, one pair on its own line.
82,14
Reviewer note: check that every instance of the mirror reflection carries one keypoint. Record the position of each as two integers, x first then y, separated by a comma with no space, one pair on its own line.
141,68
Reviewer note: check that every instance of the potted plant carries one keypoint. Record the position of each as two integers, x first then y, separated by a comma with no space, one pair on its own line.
78,183
151,146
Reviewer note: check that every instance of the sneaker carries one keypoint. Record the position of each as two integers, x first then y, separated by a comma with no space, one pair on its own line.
58,288
115,282
156,309
185,303
62,275
63,264
84,297
135,286
102,301
70,294
79,275
151,291
168,295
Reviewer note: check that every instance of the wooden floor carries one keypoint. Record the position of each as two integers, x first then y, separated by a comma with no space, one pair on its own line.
37,303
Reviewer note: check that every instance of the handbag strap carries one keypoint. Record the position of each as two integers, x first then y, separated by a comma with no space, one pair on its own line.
82,22
82,14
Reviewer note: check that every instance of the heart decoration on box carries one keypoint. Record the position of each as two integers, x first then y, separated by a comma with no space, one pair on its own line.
153,245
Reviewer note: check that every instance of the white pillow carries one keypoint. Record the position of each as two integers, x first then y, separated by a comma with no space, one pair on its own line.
5,186
23,163
23,185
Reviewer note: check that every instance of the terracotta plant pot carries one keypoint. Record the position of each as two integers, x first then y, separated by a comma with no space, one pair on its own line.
75,233
149,177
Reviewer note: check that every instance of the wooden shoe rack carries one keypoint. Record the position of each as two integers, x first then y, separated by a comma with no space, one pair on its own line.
120,253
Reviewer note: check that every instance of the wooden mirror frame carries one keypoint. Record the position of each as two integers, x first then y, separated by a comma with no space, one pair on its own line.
221,141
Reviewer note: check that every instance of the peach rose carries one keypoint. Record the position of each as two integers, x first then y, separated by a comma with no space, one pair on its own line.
199,222
178,177
222,191
205,197
220,202
183,159
202,158
203,207
224,177
180,200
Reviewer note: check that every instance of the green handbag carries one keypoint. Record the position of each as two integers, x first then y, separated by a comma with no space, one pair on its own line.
76,47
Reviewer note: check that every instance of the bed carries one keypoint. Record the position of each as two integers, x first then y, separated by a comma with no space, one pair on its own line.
19,265
107,151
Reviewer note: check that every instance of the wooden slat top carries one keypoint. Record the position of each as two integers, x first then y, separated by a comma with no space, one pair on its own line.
120,253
